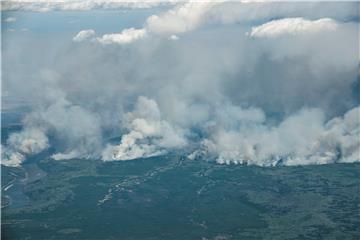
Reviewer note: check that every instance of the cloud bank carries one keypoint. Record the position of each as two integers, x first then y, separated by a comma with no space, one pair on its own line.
126,36
192,15
84,35
293,26
286,93
76,5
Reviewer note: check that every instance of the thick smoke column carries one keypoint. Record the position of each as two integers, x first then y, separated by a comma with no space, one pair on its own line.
255,83
55,120
148,135
303,138
20,145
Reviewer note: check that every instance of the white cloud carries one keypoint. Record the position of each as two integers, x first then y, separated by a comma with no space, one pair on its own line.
76,5
10,19
84,35
190,15
174,37
293,26
127,36
182,18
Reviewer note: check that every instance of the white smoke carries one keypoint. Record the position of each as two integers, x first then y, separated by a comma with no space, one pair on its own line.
20,145
214,93
303,138
74,126
149,135
75,130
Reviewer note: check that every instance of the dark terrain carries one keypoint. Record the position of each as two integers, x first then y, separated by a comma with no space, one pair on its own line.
172,197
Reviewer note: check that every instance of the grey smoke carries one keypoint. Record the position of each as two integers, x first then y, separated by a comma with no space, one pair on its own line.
148,134
20,145
215,93
302,138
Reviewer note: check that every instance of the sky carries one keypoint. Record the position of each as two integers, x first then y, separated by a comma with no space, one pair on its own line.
262,83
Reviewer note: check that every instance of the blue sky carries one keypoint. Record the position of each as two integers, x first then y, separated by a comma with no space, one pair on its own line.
65,22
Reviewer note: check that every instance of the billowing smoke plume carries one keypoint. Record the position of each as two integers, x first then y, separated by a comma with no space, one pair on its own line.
20,145
255,83
302,138
148,134
74,130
